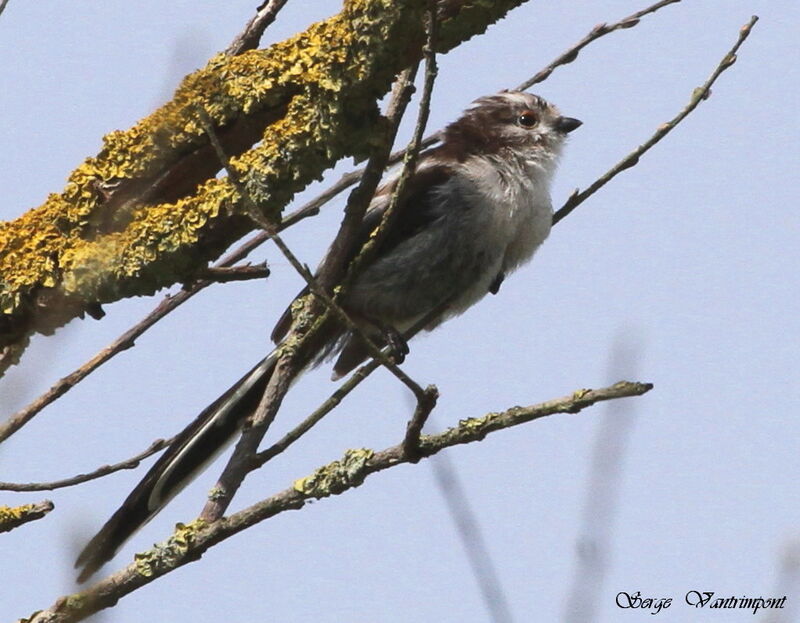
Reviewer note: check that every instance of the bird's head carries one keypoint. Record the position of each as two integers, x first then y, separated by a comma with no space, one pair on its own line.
509,121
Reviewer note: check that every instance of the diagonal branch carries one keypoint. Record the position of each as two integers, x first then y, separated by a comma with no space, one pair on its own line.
224,274
250,37
698,95
291,361
598,31
191,541
311,208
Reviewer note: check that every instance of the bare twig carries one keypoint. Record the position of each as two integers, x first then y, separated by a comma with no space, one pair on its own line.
224,274
425,405
105,470
122,343
311,208
698,95
14,517
250,37
410,154
3,4
191,541
289,363
337,396
598,31
333,267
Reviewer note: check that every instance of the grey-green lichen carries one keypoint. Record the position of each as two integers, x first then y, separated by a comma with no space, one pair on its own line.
166,555
332,479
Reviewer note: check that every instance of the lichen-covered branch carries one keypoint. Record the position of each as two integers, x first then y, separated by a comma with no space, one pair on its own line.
14,517
147,210
190,542
309,209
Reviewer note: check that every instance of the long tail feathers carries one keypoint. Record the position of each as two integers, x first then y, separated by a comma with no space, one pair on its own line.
196,446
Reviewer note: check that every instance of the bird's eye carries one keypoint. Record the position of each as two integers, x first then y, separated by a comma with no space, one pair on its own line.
528,119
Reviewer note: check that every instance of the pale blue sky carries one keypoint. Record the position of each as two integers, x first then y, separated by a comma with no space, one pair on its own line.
691,258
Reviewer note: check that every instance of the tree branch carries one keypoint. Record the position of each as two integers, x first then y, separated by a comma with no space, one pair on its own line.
147,210
598,31
224,274
250,37
105,470
698,95
17,516
309,209
189,542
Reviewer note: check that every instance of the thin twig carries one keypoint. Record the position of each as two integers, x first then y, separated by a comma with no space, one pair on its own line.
105,470
338,395
193,540
14,517
411,153
332,270
224,274
311,208
287,366
122,343
3,4
250,37
698,95
414,427
598,31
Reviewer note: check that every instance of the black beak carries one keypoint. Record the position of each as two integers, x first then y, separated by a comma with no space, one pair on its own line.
565,125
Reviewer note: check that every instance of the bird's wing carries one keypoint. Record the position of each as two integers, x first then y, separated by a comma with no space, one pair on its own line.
413,214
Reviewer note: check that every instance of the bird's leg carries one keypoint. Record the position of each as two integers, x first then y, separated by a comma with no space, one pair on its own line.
398,346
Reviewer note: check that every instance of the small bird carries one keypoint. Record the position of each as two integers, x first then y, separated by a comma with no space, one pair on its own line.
476,208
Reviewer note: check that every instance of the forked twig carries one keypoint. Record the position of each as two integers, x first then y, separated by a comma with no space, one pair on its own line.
698,95
192,541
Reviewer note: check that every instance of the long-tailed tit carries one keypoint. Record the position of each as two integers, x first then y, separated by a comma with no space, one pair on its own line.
476,208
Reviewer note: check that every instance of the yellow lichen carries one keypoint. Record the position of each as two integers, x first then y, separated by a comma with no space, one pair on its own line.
166,555
315,96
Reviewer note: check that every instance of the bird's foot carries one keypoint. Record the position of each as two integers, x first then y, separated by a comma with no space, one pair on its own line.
398,346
